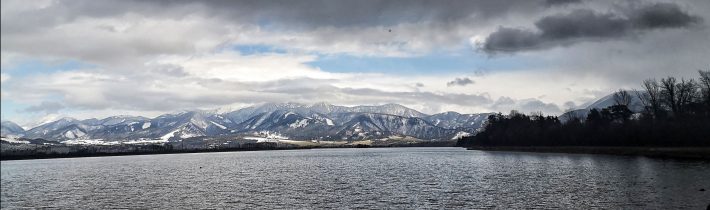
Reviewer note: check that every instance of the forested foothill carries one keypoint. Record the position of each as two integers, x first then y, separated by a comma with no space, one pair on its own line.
676,114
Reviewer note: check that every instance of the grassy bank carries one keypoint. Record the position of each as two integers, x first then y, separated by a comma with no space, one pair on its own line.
661,152
98,151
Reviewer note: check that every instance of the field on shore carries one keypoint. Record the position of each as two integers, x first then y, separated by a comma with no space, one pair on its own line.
22,150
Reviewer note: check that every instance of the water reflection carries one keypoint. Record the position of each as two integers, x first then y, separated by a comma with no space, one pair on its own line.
357,178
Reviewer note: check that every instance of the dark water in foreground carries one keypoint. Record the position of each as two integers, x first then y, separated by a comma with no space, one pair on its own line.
357,178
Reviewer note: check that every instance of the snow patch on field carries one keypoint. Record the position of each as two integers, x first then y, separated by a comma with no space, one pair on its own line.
261,139
15,140
266,136
102,142
145,141
460,135
89,142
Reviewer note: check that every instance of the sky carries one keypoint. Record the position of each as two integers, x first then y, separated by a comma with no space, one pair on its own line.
95,58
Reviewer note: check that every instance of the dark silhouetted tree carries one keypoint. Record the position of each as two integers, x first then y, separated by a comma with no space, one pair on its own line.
675,116
622,97
687,93
651,98
669,93
704,84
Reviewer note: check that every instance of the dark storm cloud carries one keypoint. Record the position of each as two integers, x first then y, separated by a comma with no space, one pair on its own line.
561,2
581,24
460,82
587,25
512,40
308,13
661,15
120,32
368,12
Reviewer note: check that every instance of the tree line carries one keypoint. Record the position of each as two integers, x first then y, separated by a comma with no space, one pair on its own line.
676,113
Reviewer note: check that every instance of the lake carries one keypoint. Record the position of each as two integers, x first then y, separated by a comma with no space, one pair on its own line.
357,178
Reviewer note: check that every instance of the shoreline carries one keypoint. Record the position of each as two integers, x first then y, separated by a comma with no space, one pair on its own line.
58,156
656,152
82,155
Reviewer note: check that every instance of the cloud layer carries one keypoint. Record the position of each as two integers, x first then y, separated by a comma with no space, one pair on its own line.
92,58
588,25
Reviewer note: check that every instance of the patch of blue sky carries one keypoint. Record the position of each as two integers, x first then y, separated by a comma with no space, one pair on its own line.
9,109
254,49
433,63
34,67
12,109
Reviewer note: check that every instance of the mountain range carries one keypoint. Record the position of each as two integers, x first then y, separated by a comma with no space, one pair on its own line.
319,121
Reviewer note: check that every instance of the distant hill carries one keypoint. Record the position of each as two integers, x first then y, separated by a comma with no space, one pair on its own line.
604,102
8,128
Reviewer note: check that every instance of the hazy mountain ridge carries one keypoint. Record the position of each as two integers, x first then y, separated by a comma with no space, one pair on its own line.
8,128
297,121
635,106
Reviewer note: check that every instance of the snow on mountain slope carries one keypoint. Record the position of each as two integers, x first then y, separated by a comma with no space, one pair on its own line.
69,132
45,129
187,124
145,125
375,125
321,108
454,120
74,134
293,120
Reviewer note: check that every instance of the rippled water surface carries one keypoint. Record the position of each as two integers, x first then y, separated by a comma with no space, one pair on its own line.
357,178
